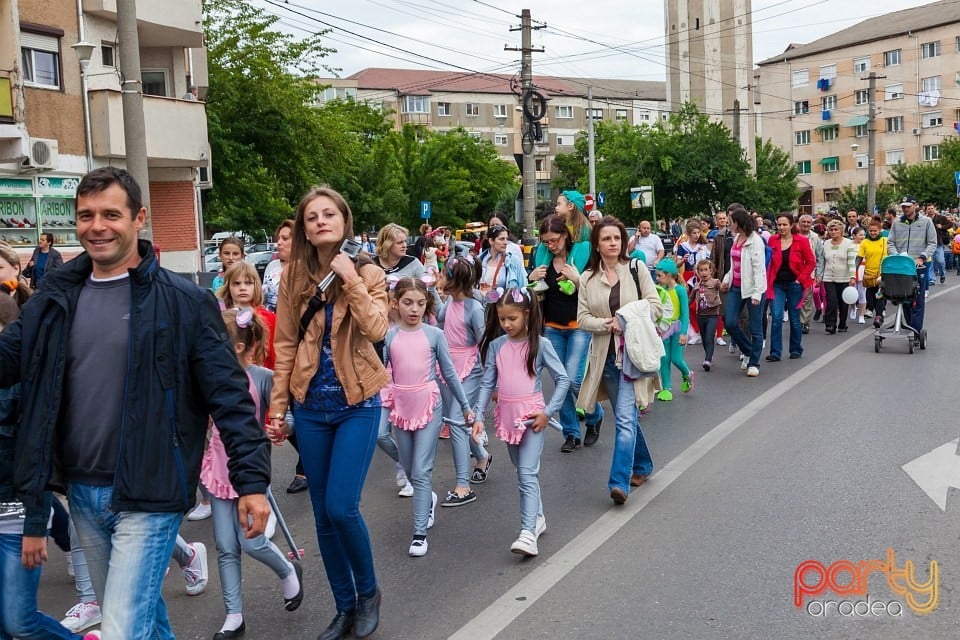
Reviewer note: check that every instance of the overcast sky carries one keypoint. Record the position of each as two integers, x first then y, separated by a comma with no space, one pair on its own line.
598,38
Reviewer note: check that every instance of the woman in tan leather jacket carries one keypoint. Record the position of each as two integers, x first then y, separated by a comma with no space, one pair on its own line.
332,378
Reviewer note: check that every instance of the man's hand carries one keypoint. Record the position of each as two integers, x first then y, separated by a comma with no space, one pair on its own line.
33,552
253,506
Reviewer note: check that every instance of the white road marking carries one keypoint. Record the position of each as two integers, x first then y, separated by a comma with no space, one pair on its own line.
512,604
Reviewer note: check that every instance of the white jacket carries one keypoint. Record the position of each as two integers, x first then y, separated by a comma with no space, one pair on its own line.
753,269
644,347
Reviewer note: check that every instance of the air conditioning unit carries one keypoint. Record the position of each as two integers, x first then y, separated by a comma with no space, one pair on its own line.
41,154
916,131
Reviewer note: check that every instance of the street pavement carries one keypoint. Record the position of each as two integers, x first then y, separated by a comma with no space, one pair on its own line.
754,477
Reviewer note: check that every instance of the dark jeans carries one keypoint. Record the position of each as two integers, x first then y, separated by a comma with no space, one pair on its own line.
786,296
296,447
708,330
913,313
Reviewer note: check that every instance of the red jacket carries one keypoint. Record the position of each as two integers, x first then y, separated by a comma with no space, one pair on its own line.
802,262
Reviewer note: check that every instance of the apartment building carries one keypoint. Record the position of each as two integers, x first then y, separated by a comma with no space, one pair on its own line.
813,99
47,143
488,106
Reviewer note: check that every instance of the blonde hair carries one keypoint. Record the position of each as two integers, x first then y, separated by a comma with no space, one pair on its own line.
234,272
833,224
387,238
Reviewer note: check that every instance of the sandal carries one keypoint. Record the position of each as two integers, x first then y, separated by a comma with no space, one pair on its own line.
479,475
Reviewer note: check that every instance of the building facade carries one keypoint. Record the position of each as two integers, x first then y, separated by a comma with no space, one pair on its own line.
47,143
488,106
814,99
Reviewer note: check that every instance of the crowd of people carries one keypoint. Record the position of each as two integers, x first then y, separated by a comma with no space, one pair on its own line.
339,355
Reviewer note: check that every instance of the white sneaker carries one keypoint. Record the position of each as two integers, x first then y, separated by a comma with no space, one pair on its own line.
753,372
868,314
525,544
433,509
406,491
200,512
70,571
195,573
82,616
418,548
541,526
744,363
732,348
694,339
853,314
271,527
721,341
402,481
861,321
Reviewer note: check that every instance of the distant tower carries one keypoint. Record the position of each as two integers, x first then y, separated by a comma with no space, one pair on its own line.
710,61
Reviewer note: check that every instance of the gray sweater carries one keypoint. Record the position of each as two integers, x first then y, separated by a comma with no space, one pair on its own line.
915,239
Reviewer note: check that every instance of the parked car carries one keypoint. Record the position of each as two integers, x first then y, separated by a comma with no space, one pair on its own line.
666,238
260,255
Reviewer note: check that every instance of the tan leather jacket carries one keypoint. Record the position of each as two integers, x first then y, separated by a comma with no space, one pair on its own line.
359,320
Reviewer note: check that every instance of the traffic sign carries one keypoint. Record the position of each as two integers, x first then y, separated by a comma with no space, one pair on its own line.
588,201
425,209
601,200
956,177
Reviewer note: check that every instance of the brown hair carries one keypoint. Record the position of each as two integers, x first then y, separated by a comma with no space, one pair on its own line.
234,240
236,271
521,298
252,336
23,291
286,224
553,223
595,263
406,284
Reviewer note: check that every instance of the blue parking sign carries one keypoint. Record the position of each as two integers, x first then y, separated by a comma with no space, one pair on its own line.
601,199
425,209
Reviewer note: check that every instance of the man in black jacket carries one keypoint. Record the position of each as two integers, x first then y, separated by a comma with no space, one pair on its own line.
120,364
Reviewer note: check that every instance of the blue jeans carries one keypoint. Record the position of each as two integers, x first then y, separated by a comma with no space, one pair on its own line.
127,553
751,346
630,453
789,295
571,346
526,458
18,598
337,447
939,263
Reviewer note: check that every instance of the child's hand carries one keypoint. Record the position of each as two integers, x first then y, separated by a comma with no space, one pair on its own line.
277,431
540,420
477,431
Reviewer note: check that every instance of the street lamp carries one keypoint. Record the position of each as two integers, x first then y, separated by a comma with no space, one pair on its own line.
84,51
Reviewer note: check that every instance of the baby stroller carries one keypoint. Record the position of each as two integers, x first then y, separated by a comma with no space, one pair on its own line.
899,285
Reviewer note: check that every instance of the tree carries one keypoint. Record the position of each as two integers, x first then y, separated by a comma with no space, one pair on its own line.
776,179
931,181
856,197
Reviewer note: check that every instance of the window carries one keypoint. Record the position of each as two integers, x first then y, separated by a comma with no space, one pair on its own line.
828,71
106,55
500,139
828,103
473,109
931,83
596,114
830,164
154,82
643,115
861,160
895,156
893,92
931,119
830,132
564,141
895,124
891,58
802,137
860,131
476,135
861,65
416,104
499,111
443,108
831,195
930,49
541,164
564,111
931,152
803,167
801,78
339,93
801,106
861,96
621,114
41,59
958,43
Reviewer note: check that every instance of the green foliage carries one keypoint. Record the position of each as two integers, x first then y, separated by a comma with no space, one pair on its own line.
856,197
931,181
776,179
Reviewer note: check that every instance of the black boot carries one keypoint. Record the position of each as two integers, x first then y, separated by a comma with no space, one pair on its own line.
339,628
367,615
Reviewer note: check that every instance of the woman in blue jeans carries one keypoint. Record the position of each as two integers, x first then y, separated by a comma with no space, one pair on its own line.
608,284
788,276
746,286
560,271
326,362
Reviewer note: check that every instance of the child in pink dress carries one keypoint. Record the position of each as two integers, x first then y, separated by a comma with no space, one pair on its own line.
513,364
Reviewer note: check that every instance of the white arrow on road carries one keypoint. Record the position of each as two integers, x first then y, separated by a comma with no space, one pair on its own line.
936,472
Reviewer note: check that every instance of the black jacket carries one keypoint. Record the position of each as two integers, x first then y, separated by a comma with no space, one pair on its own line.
181,368
54,260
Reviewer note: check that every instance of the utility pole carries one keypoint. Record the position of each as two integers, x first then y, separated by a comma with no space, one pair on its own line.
736,122
134,127
872,142
529,160
591,155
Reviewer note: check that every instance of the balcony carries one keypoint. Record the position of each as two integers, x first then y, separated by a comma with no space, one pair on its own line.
160,23
176,129
416,118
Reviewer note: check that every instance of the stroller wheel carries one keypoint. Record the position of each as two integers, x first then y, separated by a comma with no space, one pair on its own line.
910,345
877,343
923,339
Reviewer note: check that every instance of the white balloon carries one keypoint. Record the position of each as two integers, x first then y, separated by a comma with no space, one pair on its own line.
850,295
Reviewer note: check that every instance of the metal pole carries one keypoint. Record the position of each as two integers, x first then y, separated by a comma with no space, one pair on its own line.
591,156
134,127
87,134
872,146
529,159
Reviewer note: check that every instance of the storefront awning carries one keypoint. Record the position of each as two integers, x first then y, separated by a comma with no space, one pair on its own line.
857,121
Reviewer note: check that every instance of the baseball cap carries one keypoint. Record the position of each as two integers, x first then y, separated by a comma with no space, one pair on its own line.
910,200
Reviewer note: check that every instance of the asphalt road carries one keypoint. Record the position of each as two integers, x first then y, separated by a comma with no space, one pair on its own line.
754,477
